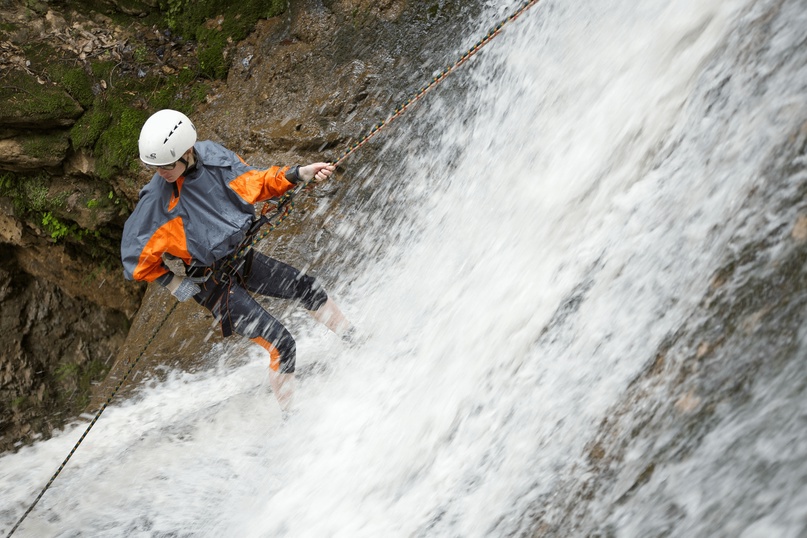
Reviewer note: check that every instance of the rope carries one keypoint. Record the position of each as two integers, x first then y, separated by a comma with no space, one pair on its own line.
286,203
439,78
284,206
92,423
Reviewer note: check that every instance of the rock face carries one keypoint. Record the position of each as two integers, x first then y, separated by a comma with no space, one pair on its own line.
303,86
53,346
65,308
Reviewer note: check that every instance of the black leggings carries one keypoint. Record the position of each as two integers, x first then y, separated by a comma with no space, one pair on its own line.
228,298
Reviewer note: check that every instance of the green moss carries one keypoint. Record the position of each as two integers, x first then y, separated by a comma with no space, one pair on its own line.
215,24
42,145
116,148
102,70
7,180
111,126
88,373
87,130
24,100
40,52
121,11
111,120
38,6
76,380
182,92
28,193
56,66
35,195
186,16
76,82
66,371
33,203
141,54
212,61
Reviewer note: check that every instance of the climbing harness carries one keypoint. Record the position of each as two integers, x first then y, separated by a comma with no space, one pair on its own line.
283,206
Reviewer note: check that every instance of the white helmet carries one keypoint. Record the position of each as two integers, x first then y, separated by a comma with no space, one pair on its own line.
165,137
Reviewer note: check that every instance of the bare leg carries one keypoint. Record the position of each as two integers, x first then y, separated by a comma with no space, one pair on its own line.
283,384
330,316
283,387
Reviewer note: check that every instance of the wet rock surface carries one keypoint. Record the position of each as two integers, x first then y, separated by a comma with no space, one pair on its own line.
725,378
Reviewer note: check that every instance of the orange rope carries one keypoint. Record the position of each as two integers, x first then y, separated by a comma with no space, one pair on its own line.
439,78
286,204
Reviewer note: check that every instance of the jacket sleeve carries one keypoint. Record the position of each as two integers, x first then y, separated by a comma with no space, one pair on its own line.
259,185
142,246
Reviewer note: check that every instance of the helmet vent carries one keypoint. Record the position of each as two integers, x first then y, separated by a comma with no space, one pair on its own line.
172,132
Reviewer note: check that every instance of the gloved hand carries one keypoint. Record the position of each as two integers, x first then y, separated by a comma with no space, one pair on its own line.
182,288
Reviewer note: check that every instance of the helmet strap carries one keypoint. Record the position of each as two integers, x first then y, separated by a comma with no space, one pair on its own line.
192,165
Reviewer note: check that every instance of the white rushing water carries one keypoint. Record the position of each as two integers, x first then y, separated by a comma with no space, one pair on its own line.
578,168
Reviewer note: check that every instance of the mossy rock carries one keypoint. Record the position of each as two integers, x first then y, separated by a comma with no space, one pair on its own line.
111,126
34,150
28,193
25,103
75,81
216,25
51,145
116,148
87,130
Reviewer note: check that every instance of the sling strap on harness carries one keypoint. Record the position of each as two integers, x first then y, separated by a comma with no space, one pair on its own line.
218,279
283,207
232,264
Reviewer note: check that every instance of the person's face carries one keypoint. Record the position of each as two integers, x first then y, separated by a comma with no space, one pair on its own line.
172,172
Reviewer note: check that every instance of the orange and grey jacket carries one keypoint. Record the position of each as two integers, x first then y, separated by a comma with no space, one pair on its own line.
199,219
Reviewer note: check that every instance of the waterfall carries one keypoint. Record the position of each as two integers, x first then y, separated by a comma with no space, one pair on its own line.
537,257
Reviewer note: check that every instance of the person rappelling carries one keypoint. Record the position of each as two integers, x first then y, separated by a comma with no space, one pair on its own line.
199,208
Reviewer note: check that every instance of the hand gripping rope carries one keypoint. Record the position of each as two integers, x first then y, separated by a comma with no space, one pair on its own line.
285,204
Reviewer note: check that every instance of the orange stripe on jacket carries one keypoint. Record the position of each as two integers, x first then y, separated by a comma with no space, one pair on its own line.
259,185
175,198
274,354
169,238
